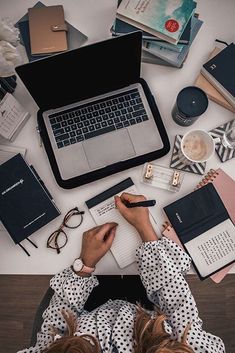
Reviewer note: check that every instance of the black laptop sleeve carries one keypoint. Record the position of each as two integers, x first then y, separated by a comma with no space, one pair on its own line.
111,169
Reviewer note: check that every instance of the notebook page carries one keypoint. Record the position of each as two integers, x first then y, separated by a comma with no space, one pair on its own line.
214,248
127,238
12,115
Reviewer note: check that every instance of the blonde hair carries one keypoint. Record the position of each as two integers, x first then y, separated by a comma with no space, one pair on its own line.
149,336
73,344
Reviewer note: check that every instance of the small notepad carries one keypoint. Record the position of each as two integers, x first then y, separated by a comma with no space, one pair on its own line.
12,116
102,209
127,239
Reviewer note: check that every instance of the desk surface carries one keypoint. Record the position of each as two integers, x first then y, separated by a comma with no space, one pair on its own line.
94,18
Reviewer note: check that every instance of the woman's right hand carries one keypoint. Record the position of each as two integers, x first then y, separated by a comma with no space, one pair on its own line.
136,216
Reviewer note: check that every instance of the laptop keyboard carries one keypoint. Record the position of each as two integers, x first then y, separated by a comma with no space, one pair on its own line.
97,118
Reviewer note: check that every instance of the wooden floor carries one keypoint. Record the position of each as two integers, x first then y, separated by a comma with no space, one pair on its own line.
20,295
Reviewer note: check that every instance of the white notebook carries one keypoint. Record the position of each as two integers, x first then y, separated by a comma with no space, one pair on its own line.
102,209
12,117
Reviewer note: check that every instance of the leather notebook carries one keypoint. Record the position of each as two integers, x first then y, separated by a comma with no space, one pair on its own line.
47,30
224,185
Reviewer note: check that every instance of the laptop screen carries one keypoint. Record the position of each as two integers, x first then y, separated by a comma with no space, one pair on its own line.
85,72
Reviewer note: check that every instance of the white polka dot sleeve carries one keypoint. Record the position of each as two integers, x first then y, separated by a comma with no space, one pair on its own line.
162,265
71,293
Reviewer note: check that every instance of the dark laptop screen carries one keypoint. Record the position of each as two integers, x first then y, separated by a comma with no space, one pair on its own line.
84,72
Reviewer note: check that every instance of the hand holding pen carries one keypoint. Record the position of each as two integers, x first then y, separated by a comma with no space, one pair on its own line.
137,214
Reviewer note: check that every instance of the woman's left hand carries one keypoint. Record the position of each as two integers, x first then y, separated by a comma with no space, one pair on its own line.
96,242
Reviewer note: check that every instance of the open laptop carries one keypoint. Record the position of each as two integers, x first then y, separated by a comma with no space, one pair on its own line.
94,107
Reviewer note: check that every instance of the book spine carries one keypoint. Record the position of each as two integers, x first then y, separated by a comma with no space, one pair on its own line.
44,187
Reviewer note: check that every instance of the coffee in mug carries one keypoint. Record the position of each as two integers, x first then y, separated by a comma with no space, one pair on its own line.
197,146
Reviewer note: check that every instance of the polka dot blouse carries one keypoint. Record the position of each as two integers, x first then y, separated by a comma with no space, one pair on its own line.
162,265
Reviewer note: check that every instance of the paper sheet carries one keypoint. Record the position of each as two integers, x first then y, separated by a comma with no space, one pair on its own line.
127,238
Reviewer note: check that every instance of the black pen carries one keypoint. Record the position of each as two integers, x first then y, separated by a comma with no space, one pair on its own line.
146,203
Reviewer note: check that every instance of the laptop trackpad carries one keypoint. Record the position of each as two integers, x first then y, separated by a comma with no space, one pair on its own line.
108,149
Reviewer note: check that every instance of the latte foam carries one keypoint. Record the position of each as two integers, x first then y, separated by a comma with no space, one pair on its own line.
195,147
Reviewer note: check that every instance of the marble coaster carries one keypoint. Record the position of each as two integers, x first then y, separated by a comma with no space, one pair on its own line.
223,153
176,163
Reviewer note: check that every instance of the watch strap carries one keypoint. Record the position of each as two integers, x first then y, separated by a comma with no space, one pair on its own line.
84,269
87,269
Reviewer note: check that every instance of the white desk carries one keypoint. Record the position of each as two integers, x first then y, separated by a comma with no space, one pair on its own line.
94,18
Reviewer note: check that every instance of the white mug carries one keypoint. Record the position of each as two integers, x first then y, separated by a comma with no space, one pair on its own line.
197,146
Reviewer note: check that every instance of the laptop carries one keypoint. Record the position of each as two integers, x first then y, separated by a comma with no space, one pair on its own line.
95,108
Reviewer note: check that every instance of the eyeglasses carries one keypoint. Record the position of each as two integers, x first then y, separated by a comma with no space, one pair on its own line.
58,239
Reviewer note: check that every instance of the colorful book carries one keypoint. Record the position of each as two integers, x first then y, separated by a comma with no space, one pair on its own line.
120,27
225,186
220,72
164,19
172,57
210,90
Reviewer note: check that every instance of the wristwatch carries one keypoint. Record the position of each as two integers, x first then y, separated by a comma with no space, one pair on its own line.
78,266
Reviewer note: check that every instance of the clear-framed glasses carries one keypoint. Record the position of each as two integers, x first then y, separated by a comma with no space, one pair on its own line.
228,138
58,239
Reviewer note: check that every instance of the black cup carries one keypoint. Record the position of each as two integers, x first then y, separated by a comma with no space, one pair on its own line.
191,102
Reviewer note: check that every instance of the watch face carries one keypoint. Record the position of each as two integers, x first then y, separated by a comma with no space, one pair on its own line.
78,265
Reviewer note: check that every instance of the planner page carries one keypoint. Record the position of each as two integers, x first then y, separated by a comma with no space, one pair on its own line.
127,238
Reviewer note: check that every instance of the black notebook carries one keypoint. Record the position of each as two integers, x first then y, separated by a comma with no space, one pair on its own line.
205,229
25,203
220,72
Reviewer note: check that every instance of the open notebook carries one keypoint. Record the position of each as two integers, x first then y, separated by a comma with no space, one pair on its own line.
225,187
127,239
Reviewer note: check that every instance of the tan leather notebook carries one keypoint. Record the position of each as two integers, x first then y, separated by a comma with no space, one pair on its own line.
225,187
47,29
210,90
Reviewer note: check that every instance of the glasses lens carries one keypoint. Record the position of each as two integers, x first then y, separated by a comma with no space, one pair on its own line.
57,240
73,218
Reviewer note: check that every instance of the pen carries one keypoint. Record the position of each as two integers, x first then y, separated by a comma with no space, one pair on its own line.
146,203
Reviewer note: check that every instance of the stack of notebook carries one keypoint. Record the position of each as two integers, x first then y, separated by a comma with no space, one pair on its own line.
33,33
168,30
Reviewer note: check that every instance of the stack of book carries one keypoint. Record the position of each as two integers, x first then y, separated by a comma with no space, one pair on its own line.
168,29
217,77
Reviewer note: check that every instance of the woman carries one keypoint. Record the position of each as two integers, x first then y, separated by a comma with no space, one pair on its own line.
120,326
